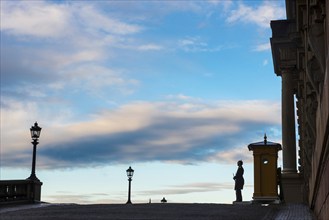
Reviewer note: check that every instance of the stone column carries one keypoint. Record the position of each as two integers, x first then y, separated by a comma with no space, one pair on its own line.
288,124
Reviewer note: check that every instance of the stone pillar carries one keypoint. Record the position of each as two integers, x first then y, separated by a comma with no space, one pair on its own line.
288,124
34,190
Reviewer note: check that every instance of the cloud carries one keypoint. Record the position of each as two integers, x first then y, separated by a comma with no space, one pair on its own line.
189,188
182,97
48,47
60,34
196,44
69,49
175,132
226,4
260,15
50,20
97,20
263,47
265,62
231,156
119,196
38,19
59,68
97,78
42,73
148,47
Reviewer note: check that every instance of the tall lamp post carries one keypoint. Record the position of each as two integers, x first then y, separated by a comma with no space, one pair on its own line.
35,134
130,173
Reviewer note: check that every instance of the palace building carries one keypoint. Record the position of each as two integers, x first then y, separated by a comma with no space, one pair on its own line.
301,58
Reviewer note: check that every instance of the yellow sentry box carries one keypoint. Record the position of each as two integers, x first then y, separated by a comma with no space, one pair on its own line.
265,170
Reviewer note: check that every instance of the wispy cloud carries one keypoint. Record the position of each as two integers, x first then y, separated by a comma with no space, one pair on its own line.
189,188
59,46
231,156
265,62
49,20
260,15
262,47
96,20
150,47
196,44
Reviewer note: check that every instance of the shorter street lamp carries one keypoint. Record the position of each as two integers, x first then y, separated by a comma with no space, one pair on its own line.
35,134
130,173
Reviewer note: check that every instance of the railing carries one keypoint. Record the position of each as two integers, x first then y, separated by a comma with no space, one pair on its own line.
16,191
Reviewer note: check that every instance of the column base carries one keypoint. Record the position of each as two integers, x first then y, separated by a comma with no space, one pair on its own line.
291,171
292,186
266,200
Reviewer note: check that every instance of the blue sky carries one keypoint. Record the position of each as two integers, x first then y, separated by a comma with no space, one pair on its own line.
175,89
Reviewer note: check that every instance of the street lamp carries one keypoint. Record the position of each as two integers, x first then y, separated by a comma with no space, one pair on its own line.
130,173
35,134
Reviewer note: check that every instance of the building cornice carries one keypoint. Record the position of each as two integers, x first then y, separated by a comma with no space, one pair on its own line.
284,45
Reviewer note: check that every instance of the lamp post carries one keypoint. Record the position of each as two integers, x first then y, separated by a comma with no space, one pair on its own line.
130,173
35,134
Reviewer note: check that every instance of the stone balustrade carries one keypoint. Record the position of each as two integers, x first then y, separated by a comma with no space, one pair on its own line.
19,191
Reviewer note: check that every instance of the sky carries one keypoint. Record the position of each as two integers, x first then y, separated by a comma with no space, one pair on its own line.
175,89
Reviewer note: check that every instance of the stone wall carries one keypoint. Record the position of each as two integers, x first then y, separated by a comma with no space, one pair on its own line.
308,62
319,199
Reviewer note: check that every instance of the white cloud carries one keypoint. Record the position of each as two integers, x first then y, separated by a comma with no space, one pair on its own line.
94,78
18,116
233,155
15,122
78,35
260,15
181,97
37,19
149,47
48,20
196,44
62,59
263,47
96,20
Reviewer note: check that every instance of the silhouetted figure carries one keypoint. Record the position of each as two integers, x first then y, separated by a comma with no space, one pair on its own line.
164,200
239,181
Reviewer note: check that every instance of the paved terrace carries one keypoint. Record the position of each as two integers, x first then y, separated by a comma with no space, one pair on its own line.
157,212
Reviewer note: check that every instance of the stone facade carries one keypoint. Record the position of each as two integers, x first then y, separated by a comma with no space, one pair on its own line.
300,49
